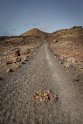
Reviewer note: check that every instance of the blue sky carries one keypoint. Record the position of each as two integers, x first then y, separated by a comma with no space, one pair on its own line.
18,16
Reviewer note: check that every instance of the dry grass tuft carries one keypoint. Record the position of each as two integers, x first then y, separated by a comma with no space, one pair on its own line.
45,95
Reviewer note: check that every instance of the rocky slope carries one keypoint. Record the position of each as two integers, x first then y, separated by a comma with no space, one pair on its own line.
67,44
14,51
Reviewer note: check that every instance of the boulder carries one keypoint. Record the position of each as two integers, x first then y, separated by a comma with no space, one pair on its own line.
17,53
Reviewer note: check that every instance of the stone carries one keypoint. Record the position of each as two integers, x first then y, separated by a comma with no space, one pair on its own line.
71,60
23,62
9,70
28,51
9,62
67,64
18,59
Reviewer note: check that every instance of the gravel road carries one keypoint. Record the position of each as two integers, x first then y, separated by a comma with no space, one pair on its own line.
43,71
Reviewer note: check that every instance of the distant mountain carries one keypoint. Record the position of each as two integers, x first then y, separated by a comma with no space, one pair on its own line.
34,32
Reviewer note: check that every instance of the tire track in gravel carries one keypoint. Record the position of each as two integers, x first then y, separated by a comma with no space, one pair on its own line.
41,72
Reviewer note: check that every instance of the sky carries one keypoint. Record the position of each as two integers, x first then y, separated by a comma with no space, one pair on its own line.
19,16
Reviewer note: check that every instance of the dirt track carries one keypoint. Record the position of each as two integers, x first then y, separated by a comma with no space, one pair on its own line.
41,72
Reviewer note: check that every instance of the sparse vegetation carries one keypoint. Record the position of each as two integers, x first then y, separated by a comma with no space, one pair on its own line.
45,95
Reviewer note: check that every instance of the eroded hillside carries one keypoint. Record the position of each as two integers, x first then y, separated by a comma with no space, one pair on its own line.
67,44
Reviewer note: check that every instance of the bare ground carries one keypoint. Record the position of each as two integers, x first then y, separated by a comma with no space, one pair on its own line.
43,72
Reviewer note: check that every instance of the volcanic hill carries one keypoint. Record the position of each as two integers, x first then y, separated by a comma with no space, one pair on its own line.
34,32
